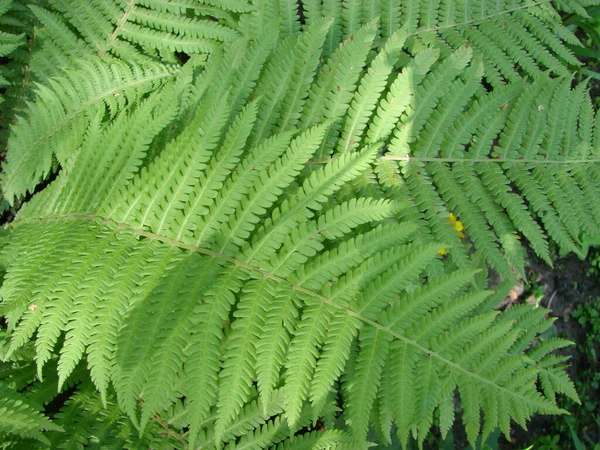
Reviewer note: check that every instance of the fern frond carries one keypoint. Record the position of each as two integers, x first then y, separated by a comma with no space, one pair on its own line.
266,190
59,119
235,189
16,26
400,95
250,68
299,246
132,129
538,40
302,355
17,417
201,386
119,28
207,186
426,99
283,86
9,40
369,89
59,44
238,367
275,339
374,347
132,361
330,95
342,330
88,422
186,157
524,138
316,190
321,441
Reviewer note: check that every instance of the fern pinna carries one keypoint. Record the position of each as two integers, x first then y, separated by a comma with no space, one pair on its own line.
252,249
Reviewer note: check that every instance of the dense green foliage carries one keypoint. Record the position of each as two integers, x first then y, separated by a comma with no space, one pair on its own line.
232,218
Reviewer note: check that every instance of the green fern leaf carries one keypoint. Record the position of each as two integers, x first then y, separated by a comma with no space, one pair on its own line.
239,366
19,418
374,346
265,189
60,124
132,356
155,24
302,355
210,181
237,243
201,386
235,189
372,84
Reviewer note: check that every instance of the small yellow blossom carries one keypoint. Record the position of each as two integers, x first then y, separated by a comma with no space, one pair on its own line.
458,225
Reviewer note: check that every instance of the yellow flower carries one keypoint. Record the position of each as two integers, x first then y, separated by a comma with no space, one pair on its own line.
442,251
458,225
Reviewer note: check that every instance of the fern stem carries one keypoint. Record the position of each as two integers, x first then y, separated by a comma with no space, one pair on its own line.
113,36
169,432
408,158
